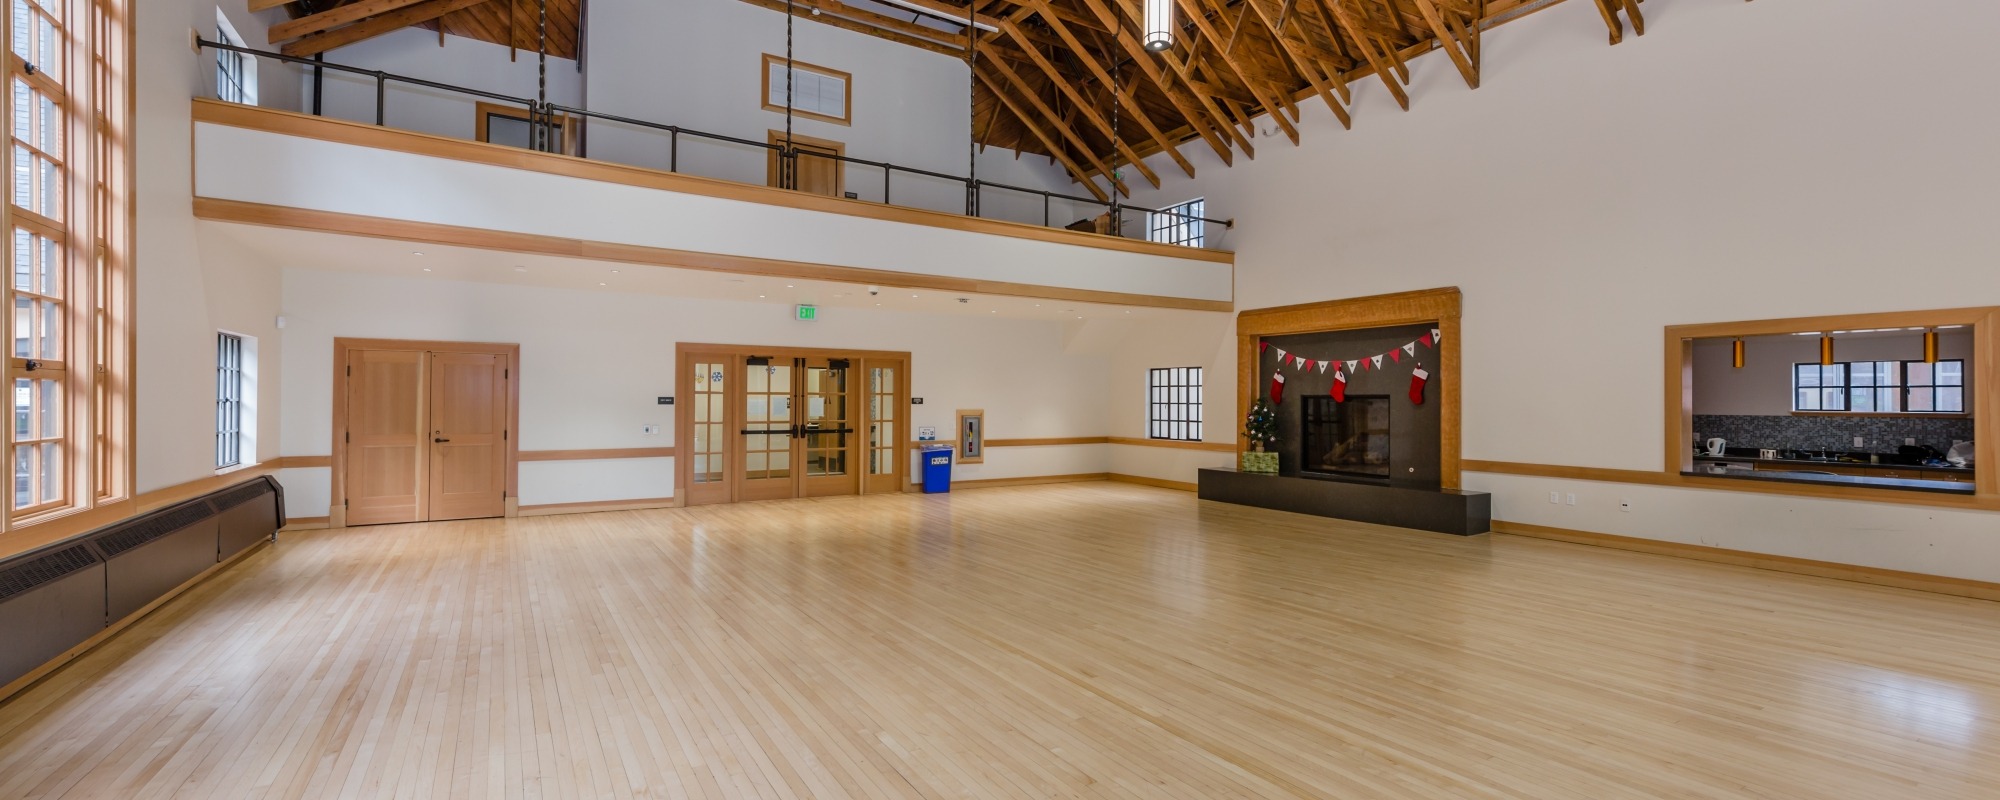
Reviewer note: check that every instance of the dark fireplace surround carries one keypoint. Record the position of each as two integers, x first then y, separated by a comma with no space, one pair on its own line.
1376,458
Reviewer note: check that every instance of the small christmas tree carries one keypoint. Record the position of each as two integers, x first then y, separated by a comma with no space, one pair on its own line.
1261,425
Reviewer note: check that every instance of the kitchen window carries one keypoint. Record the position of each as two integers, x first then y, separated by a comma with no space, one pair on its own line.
1173,403
1880,387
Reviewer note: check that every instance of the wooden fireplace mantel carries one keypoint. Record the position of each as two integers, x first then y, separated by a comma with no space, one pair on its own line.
1440,306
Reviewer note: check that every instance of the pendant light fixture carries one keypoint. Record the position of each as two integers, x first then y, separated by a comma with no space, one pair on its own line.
1826,349
1736,353
1930,346
1159,33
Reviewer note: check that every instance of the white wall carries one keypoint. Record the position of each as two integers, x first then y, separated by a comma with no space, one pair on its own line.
592,364
698,64
459,61
1763,387
1735,163
188,286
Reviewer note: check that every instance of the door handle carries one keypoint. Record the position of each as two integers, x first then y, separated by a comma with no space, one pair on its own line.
440,441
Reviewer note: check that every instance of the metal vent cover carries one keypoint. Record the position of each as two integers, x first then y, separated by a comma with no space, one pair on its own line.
44,569
153,527
240,495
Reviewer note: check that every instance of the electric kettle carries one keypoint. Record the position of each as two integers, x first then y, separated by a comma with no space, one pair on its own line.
1716,446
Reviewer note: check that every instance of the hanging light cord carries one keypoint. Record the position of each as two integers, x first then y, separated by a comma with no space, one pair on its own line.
788,158
542,74
971,108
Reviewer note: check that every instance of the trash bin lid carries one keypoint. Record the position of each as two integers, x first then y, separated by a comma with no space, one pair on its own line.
938,446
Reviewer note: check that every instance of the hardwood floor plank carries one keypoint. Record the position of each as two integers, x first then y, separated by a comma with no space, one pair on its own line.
1089,640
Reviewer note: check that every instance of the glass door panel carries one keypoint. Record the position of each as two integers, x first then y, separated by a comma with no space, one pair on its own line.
884,445
828,428
767,440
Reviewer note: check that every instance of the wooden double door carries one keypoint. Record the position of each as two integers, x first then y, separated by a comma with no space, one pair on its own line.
770,423
423,431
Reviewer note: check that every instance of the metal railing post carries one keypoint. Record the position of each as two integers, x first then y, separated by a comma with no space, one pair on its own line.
886,172
381,95
1045,209
674,150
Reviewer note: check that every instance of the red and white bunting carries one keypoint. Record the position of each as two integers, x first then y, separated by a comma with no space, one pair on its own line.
1322,366
1281,355
1437,335
1410,349
1298,362
1352,366
1377,361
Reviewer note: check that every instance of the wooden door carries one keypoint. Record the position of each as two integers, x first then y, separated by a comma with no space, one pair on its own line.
815,172
468,435
388,451
828,444
707,425
886,455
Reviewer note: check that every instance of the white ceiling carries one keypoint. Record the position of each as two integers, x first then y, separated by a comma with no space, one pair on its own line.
287,247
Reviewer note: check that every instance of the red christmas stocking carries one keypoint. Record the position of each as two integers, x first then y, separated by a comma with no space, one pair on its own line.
1339,386
1418,379
1277,388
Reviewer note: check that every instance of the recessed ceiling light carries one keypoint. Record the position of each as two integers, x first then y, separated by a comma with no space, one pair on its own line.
788,286
614,272
913,295
1079,318
415,253
600,283
760,297
994,311
520,269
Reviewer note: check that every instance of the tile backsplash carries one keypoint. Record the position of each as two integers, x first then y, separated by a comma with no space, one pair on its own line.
1883,434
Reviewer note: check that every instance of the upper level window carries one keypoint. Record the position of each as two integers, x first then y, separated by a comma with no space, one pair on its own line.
817,92
1173,403
1880,387
235,73
1179,224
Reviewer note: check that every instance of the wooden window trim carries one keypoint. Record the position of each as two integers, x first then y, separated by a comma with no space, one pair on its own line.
764,90
569,126
1983,366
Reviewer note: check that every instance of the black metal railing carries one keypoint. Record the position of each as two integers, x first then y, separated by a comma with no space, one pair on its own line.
544,118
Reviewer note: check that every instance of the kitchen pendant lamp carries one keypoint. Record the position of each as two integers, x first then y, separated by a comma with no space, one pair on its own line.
1826,350
1736,354
1930,346
1159,33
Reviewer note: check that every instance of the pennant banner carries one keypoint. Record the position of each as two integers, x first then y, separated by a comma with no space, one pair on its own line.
1322,365
1298,362
1377,361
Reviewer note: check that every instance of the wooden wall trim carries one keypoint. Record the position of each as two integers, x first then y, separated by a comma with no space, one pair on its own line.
332,130
594,506
1172,444
1441,306
1162,483
1799,566
1029,480
1046,442
272,216
1676,480
595,455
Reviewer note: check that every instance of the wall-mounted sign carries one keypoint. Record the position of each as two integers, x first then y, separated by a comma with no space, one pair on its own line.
926,433
916,401
666,401
808,313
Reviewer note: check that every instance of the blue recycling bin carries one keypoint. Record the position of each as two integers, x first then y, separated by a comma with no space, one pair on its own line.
937,468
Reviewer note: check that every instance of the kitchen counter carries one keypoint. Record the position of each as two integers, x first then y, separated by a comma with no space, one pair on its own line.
1951,480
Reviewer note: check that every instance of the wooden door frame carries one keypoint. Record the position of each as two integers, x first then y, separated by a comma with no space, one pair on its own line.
337,503
777,138
686,353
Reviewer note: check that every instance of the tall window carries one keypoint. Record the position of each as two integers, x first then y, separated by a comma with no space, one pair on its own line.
1880,387
235,73
1179,224
228,400
1173,403
67,152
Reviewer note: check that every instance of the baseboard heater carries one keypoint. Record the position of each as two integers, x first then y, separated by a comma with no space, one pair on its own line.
56,597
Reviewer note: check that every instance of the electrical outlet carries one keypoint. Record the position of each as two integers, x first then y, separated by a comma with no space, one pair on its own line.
1555,497
1909,440
650,430
1860,442
1572,498
1625,506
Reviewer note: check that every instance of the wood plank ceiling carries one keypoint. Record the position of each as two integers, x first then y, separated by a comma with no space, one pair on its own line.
1068,78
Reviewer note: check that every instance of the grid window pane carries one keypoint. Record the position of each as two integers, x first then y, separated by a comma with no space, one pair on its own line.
1173,408
1181,224
228,400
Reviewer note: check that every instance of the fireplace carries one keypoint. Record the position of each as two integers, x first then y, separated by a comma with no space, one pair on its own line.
1348,439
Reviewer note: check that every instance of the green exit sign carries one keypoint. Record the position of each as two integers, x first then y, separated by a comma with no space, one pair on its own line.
808,313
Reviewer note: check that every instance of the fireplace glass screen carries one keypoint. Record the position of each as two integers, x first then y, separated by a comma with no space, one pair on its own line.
1350,438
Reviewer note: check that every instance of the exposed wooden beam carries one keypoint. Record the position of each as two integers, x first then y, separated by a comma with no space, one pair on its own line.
1609,10
1449,41
1084,105
1272,104
1055,148
1365,42
1028,95
266,5
334,18
1090,62
1203,110
375,26
1265,11
853,19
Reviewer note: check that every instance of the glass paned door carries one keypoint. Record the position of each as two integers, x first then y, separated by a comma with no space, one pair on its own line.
766,437
827,426
707,398
885,448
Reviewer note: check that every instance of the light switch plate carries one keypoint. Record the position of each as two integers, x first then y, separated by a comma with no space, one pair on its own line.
650,430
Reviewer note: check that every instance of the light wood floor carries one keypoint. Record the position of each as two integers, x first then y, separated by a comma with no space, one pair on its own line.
1083,640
